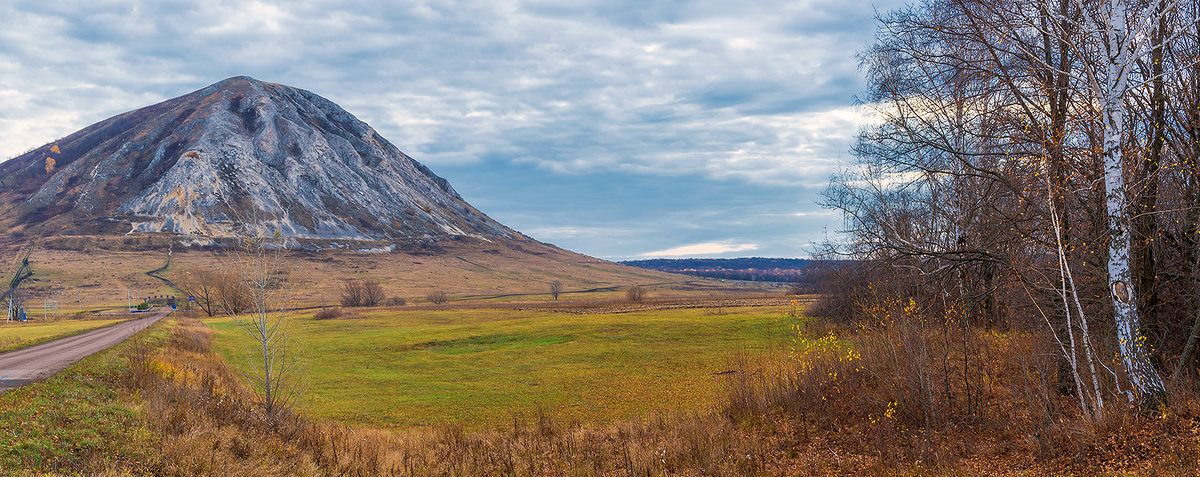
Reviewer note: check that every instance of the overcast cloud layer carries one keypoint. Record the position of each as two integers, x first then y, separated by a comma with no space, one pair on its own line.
620,129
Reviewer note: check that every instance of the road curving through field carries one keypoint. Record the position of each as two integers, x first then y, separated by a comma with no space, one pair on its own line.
35,363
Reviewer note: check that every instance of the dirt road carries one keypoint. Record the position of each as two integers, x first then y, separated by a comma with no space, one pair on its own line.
35,363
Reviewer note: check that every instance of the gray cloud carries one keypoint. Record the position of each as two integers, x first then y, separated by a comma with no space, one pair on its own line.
757,93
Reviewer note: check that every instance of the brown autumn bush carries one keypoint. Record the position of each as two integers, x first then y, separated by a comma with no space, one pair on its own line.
437,297
329,314
905,386
635,294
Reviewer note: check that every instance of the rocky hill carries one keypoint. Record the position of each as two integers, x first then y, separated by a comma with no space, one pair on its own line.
239,157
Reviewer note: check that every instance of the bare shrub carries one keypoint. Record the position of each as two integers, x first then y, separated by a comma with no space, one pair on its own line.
437,297
395,301
556,288
900,370
215,290
233,295
352,293
840,288
357,293
191,338
329,314
636,294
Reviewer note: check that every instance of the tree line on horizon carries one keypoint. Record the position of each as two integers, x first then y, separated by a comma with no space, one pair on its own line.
759,269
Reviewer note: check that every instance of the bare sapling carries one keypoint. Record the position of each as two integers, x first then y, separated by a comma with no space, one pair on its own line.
274,374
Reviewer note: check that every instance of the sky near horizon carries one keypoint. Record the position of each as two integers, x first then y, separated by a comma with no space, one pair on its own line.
621,129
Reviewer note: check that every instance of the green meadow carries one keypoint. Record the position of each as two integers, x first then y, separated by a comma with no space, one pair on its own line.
486,367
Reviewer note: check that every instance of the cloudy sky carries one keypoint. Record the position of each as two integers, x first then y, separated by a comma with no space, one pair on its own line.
617,128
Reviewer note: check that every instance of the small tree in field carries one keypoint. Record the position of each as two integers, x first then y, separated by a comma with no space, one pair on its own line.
205,286
555,289
274,374
437,297
635,294
361,293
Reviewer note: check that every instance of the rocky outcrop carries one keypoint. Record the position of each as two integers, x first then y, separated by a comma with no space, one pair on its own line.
239,157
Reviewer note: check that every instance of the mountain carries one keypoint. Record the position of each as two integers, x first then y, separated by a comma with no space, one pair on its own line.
239,157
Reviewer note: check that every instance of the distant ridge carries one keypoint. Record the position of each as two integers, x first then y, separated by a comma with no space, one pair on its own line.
751,268
238,157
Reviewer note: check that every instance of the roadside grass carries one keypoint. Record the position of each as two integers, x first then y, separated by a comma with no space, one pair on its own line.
79,421
483,368
20,335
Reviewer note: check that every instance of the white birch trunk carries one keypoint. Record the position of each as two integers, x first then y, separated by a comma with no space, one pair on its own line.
1143,376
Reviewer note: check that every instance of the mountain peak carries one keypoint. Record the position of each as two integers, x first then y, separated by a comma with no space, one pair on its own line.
239,83
238,157
238,79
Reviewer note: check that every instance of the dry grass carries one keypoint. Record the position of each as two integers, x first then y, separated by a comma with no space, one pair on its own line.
914,396
895,398
21,334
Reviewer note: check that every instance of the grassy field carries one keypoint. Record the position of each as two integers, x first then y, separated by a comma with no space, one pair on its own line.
484,367
19,335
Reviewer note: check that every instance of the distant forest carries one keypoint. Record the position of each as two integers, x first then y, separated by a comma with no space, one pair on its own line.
760,269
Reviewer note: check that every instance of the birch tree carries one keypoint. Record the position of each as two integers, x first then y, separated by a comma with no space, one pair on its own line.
1121,50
